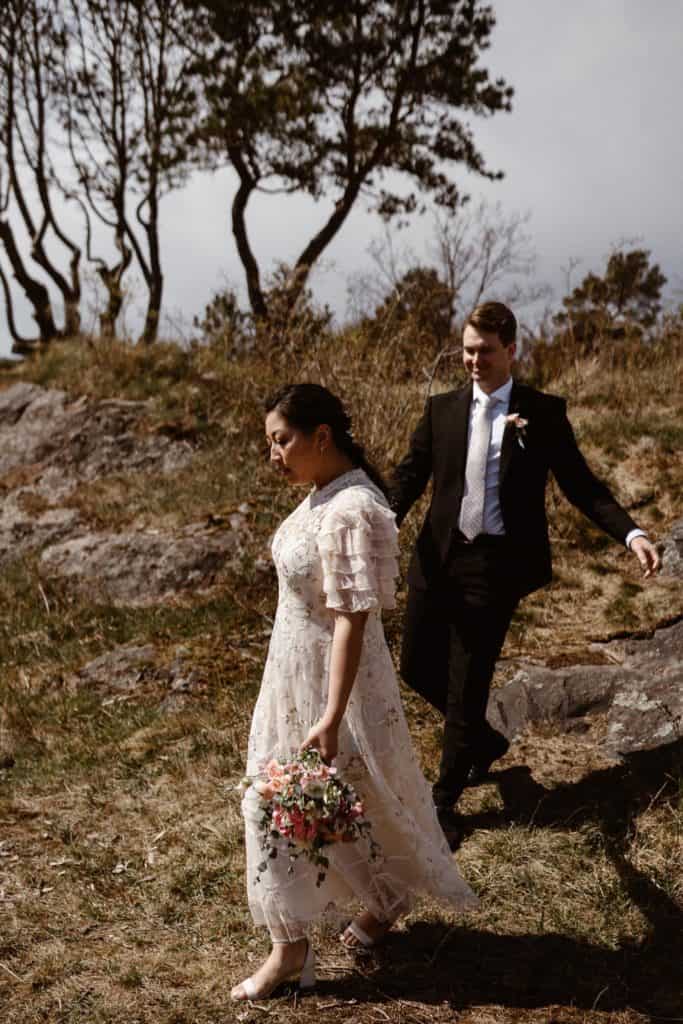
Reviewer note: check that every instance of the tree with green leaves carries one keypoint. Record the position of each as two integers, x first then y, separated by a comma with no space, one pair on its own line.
361,99
625,300
421,303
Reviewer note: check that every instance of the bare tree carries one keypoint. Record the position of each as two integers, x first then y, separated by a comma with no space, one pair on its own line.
127,106
483,250
475,251
27,62
110,273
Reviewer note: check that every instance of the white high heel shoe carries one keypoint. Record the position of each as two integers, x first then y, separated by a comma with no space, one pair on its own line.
354,937
305,977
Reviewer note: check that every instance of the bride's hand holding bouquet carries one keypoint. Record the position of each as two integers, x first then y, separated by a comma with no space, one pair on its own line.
323,737
308,806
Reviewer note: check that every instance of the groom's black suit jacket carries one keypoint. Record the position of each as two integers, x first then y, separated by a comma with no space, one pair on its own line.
438,449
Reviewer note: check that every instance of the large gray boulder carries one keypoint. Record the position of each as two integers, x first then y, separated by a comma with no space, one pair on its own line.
44,429
26,522
634,703
49,444
122,670
136,569
672,551
130,670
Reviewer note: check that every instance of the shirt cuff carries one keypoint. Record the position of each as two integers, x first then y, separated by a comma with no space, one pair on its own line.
632,536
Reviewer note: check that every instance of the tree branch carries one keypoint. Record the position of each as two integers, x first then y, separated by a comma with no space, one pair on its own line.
239,229
21,345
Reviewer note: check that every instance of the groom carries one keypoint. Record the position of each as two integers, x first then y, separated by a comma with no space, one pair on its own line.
488,449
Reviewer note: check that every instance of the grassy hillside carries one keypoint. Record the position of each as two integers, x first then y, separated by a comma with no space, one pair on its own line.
121,860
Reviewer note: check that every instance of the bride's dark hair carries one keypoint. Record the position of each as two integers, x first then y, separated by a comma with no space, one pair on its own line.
306,406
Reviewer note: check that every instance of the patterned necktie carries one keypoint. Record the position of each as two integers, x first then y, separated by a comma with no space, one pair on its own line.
472,506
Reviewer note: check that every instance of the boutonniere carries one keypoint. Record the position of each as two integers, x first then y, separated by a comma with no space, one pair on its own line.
520,425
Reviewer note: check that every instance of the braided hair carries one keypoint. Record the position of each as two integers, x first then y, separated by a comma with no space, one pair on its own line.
307,406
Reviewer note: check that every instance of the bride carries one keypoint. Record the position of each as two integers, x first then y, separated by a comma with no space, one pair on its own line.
329,683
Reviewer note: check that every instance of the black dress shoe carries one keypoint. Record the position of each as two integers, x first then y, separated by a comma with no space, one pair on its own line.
450,826
479,771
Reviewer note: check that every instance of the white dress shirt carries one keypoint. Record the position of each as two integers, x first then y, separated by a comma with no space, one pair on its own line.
493,516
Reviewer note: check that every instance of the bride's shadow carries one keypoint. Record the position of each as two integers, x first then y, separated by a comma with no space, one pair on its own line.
430,963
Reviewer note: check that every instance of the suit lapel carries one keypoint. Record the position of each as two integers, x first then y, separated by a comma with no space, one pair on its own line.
509,435
458,433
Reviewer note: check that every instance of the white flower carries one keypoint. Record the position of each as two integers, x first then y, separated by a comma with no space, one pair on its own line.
520,425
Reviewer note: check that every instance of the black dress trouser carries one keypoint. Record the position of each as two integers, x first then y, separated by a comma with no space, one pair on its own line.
453,635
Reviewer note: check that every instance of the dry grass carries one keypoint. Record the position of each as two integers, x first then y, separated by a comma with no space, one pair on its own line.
121,861
122,885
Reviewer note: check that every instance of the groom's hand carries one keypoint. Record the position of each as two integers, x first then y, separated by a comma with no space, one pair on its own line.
647,555
325,738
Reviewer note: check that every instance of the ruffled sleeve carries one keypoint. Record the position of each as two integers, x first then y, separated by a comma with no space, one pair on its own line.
358,543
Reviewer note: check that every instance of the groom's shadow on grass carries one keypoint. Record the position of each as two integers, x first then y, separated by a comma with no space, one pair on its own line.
430,963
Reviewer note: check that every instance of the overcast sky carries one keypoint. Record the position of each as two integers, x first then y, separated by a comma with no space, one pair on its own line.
593,150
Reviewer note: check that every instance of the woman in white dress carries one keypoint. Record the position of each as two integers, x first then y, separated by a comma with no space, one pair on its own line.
329,683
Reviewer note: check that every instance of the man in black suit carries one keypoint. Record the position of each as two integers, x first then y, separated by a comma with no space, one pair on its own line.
488,449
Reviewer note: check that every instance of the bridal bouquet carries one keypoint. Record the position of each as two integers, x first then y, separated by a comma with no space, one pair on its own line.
309,806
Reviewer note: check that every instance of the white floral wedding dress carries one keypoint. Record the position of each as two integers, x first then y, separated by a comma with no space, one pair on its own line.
337,551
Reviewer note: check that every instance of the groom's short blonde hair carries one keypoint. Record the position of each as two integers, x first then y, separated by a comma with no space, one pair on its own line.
495,317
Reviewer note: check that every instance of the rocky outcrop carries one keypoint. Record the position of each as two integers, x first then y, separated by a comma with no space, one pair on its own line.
122,670
49,444
635,703
129,669
58,441
672,551
26,523
136,569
